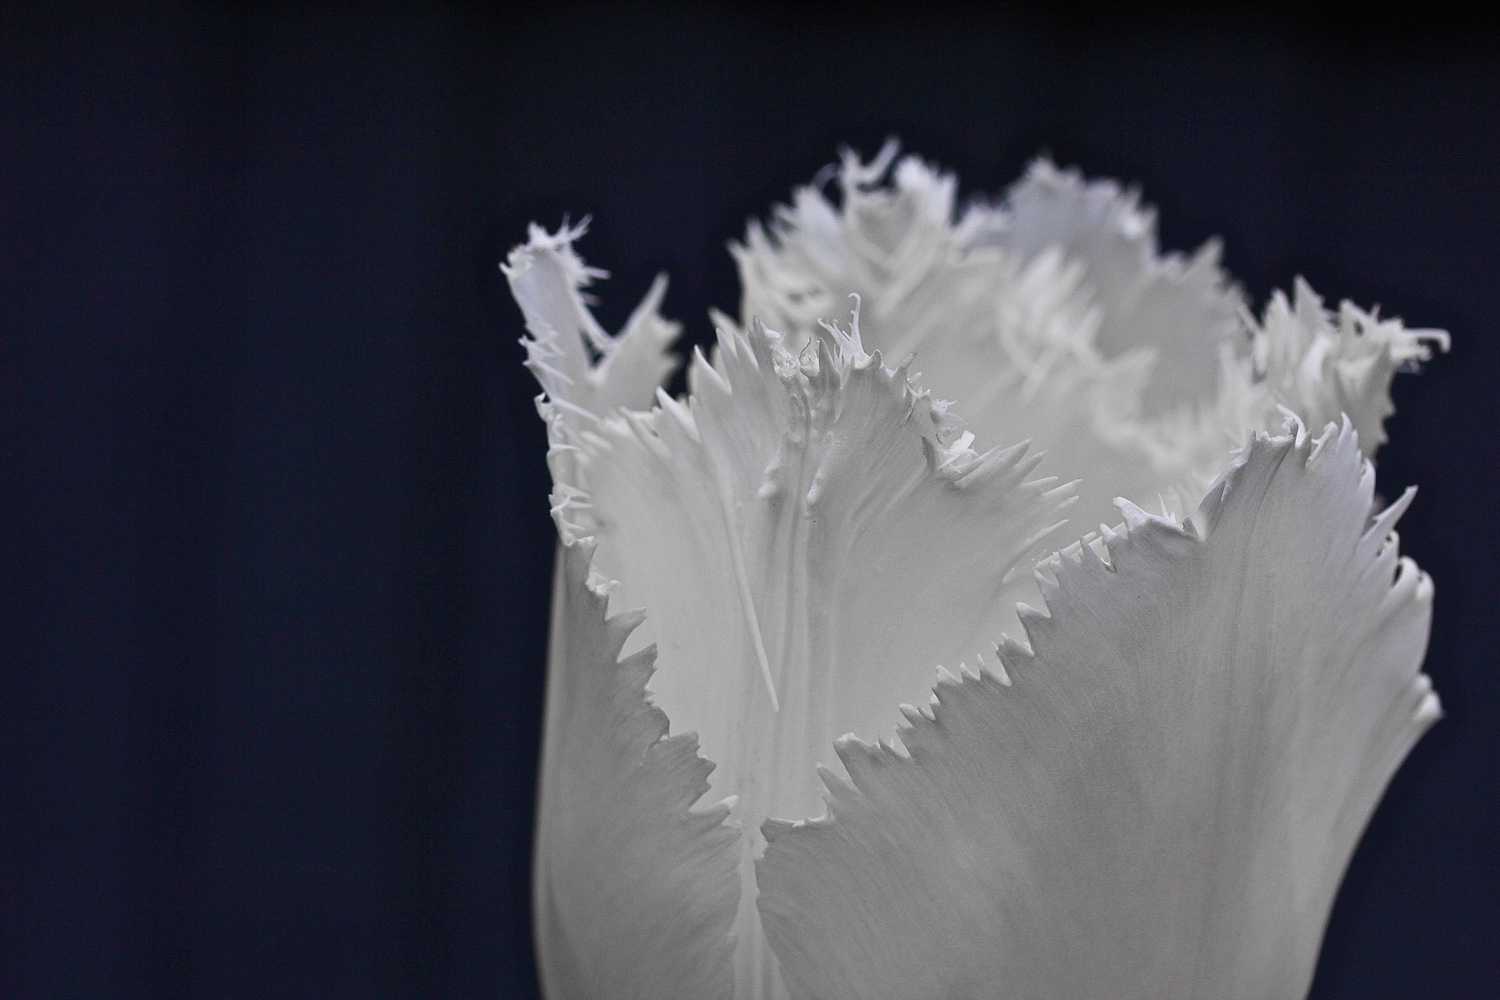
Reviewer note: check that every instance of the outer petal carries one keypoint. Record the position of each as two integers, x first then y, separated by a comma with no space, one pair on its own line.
569,353
812,541
1160,800
634,893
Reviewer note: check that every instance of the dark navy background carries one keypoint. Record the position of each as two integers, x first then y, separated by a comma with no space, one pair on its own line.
276,551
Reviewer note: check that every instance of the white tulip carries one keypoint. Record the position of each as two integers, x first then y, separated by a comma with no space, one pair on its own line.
1150,788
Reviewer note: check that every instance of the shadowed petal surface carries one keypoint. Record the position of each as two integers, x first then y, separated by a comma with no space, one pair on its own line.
1160,798
634,892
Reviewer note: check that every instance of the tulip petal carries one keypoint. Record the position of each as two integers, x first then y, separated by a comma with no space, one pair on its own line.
793,518
1160,797
1052,317
1003,315
568,352
1180,309
634,891
811,535
1320,364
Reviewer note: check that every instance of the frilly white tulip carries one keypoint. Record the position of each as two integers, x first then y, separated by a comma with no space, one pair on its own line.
1149,788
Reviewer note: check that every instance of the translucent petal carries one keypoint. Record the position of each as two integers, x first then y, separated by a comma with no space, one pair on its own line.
634,892
1161,797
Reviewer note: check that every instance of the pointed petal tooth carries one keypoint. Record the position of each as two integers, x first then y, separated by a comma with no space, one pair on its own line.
1164,801
640,360
634,892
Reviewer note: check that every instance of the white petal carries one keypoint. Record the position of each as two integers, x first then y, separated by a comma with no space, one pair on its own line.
1180,309
634,893
817,522
1320,364
1003,316
1160,801
568,352
892,245
811,536
1053,318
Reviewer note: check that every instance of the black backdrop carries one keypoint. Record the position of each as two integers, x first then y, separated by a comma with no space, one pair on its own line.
276,554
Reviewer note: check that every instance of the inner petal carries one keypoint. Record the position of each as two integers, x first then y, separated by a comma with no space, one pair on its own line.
1180,310
811,538
1052,319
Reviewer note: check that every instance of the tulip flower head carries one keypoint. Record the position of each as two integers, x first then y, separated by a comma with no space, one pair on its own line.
855,692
